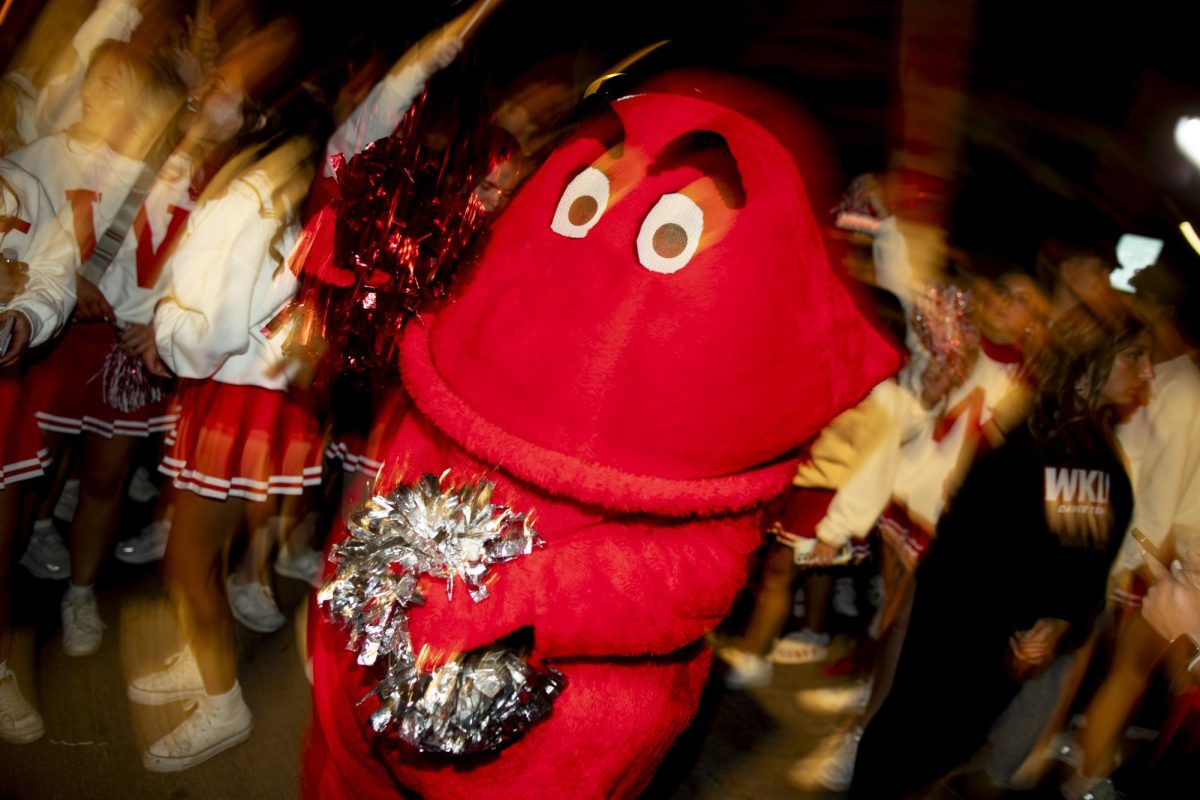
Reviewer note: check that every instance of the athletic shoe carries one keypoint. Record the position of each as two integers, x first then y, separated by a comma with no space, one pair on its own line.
147,546
1064,747
746,670
141,488
801,647
201,736
830,766
82,628
254,606
845,599
46,557
1081,787
303,566
179,679
20,723
68,501
833,700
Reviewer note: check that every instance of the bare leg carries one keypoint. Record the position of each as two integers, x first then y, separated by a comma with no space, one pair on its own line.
10,520
62,449
263,530
104,469
1137,652
193,570
774,601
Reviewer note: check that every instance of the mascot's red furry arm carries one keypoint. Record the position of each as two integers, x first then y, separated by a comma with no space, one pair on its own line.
651,335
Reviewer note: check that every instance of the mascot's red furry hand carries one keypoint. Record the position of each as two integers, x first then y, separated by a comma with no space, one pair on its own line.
651,335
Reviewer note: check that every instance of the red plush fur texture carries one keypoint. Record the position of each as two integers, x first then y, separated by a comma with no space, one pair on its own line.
641,417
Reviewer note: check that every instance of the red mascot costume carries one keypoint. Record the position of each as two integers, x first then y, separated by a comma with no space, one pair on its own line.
651,334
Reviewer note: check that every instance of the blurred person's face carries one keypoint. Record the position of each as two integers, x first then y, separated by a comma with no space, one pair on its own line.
107,96
494,191
1087,278
1010,309
1131,372
214,110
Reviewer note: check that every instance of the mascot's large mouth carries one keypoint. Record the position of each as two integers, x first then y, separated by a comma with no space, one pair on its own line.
564,474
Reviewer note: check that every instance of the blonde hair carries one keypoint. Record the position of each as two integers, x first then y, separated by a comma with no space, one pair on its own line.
155,93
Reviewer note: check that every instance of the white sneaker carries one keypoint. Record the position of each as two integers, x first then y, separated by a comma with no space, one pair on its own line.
141,488
254,606
147,546
20,723
801,647
68,501
847,699
303,566
845,599
746,670
829,766
179,679
201,736
46,557
83,629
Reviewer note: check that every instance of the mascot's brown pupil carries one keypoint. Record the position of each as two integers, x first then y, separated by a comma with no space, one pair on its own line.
582,209
670,240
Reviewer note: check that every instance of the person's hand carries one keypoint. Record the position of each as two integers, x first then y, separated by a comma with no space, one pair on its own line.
90,304
137,340
13,277
823,554
1034,647
19,342
154,363
1172,605
197,54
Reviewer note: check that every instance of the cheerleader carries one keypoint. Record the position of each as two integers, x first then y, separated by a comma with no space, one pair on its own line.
36,294
90,172
241,439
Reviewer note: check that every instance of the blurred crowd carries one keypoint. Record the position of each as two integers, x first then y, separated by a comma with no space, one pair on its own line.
177,328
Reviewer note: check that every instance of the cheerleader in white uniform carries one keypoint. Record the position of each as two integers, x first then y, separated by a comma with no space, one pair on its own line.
37,291
89,170
241,440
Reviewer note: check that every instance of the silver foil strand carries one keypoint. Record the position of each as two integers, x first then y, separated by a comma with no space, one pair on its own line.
479,701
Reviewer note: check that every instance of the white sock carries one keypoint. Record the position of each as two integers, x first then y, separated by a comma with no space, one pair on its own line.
3,670
225,704
75,592
43,524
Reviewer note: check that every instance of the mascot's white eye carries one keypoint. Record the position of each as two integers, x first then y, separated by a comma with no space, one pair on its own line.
582,204
670,234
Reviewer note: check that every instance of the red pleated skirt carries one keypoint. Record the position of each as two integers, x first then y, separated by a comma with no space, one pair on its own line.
64,388
242,441
23,454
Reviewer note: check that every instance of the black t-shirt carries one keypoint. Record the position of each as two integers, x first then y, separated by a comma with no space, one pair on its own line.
1031,533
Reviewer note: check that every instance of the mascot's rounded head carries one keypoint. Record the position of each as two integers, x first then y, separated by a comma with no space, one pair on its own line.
657,300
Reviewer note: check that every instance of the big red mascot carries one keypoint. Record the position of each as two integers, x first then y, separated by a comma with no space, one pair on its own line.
650,336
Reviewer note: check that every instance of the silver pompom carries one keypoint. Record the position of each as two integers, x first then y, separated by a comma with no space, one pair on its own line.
480,701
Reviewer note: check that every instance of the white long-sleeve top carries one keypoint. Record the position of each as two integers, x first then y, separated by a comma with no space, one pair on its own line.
86,184
1161,443
140,272
29,232
58,105
867,488
378,114
914,462
227,282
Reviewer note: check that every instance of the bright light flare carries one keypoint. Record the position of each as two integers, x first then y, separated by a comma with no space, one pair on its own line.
1187,137
1189,233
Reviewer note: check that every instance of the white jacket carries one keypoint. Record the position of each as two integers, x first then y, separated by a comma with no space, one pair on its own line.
227,281
86,184
34,236
1161,442
165,209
